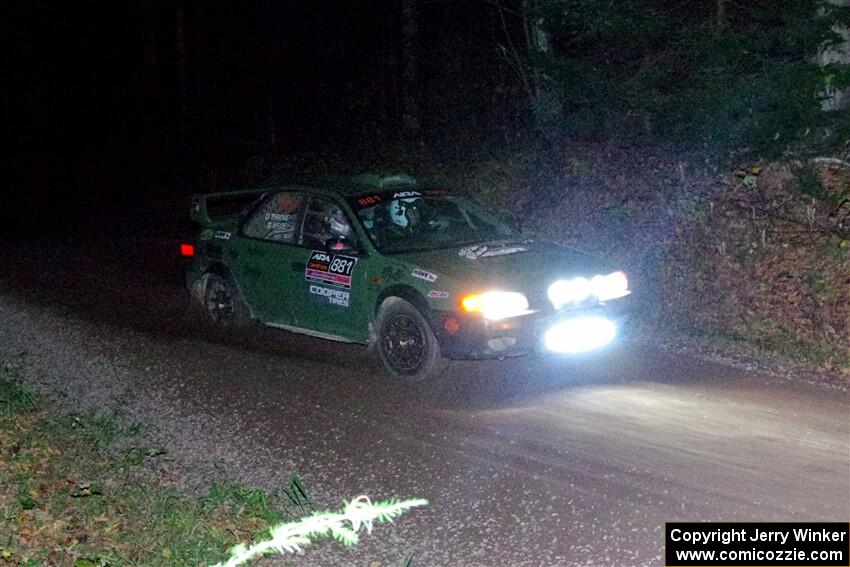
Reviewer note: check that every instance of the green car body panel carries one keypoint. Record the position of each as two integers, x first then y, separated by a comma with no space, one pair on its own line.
337,295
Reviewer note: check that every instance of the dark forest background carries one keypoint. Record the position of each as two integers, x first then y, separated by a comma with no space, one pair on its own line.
104,100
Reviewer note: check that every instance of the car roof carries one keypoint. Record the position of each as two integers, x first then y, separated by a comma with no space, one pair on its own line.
350,186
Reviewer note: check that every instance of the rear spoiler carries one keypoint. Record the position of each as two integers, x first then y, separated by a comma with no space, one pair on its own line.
209,208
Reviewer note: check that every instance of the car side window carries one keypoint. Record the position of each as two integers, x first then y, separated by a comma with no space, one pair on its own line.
278,218
324,220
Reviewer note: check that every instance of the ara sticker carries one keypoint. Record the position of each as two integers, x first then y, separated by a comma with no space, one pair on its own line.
423,275
330,269
222,235
329,296
472,252
438,294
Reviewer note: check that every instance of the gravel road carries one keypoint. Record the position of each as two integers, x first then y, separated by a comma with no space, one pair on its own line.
525,462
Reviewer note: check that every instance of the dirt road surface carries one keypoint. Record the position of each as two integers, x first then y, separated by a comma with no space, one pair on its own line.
525,462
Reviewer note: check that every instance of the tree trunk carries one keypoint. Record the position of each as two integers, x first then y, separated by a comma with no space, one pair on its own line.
410,119
721,14
836,99
545,104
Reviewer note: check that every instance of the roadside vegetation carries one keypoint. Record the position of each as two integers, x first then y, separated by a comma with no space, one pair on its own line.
76,490
763,263
83,490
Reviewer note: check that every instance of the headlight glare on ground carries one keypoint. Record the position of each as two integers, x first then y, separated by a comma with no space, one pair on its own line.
579,335
495,305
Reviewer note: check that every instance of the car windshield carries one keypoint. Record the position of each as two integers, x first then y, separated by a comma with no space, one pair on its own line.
410,221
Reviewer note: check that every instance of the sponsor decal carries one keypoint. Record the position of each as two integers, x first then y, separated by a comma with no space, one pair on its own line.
484,251
278,216
423,275
504,251
369,200
472,252
281,226
329,296
388,195
330,269
222,235
438,294
206,234
406,194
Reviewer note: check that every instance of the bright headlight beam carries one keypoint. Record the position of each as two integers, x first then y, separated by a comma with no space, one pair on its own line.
612,286
563,292
576,290
496,305
579,335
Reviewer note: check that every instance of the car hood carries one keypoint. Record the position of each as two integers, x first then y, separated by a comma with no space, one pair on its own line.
516,265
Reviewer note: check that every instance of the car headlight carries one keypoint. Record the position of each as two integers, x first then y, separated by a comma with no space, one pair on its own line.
495,305
612,286
563,292
576,290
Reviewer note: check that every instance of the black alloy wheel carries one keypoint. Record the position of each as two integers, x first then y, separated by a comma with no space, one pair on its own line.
406,343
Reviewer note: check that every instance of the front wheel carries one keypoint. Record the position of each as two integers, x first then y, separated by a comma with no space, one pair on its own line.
405,342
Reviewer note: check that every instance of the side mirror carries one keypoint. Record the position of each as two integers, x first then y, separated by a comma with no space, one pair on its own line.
342,245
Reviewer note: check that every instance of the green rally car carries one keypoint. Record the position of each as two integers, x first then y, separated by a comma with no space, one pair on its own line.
420,275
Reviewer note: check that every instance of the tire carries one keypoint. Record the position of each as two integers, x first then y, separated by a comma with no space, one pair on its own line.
222,302
405,343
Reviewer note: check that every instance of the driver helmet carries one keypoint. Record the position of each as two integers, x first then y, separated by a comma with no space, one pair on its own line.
399,208
339,225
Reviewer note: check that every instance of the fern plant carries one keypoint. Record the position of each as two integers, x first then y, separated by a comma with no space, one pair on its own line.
343,526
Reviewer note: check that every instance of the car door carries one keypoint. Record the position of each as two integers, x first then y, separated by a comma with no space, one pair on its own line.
268,254
331,291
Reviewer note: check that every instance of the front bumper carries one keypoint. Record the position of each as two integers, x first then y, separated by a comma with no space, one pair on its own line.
468,337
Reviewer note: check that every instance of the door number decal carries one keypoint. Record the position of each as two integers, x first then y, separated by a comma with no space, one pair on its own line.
330,269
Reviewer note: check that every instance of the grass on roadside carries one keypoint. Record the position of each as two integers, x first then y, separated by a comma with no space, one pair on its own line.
14,396
70,495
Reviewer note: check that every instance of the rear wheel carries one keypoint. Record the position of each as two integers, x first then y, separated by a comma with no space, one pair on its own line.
222,302
405,342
